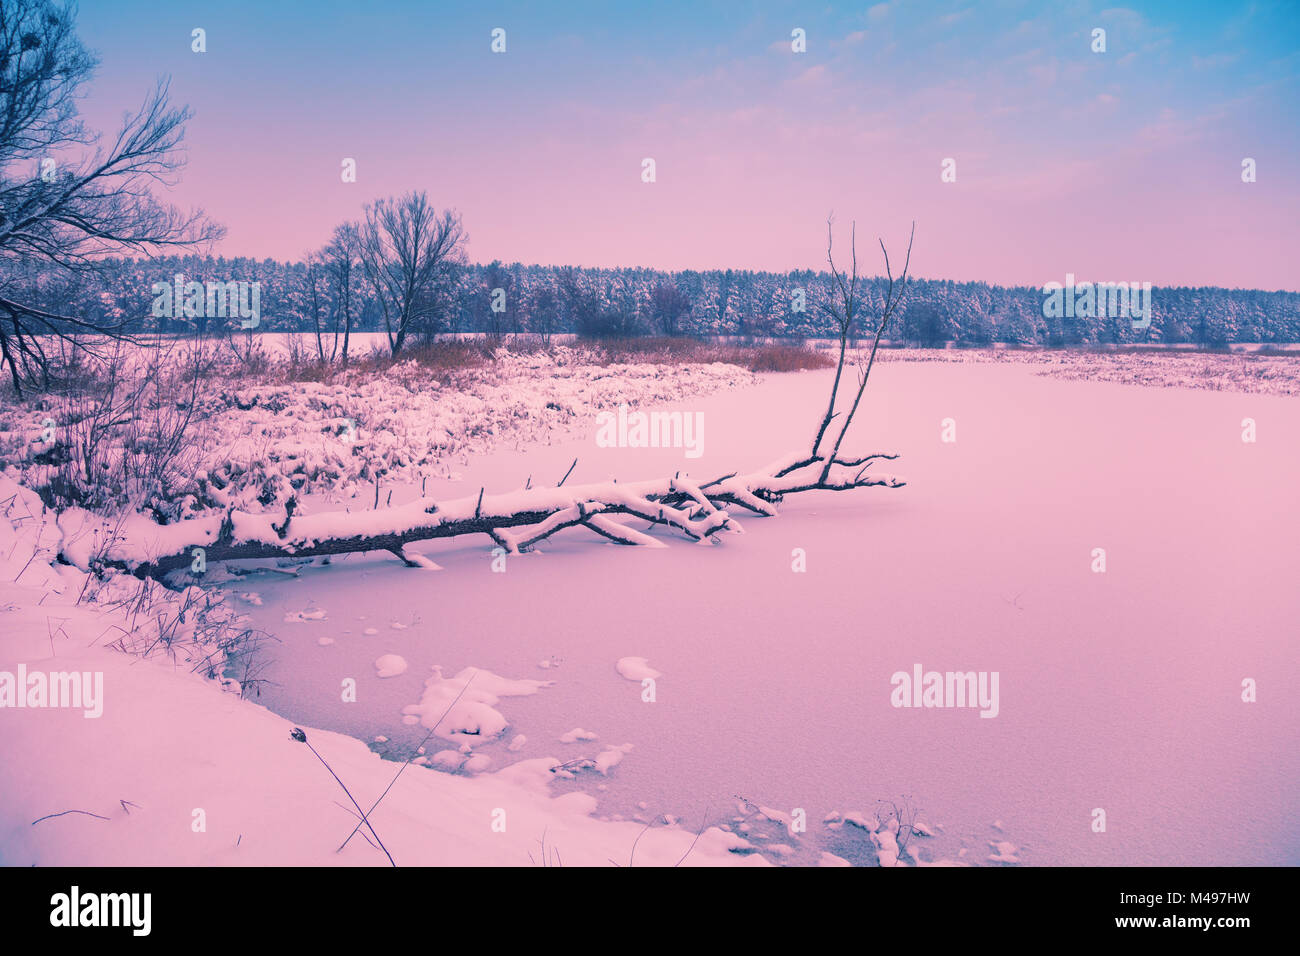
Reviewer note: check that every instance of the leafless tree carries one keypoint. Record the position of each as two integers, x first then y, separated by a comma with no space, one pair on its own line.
668,304
315,283
581,304
544,312
340,258
845,309
409,253
486,319
65,197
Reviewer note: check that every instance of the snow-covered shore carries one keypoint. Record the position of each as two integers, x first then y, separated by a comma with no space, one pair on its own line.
1120,690
178,769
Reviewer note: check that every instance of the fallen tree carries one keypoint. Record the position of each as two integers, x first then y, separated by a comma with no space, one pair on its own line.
516,522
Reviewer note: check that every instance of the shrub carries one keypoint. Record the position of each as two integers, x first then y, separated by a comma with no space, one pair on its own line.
608,325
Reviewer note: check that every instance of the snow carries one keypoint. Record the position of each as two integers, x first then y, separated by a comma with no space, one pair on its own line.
390,665
611,757
1005,852
780,680
289,439
171,746
301,617
463,707
780,684
636,668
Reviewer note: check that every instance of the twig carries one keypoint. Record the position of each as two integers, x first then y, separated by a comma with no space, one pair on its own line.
567,473
632,856
65,812
301,737
699,833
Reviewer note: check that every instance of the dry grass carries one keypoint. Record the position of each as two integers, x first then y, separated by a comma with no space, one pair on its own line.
242,359
451,357
788,358
760,357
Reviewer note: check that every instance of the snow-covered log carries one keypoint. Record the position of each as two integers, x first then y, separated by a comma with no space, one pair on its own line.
516,521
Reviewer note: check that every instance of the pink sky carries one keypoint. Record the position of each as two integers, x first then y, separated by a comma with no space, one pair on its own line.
1117,166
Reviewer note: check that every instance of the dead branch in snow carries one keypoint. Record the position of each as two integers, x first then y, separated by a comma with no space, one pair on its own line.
516,522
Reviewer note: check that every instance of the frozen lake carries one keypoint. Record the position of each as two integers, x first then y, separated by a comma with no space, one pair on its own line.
1118,690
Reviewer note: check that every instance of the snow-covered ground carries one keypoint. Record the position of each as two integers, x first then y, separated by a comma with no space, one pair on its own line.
162,765
1119,691
1246,369
256,443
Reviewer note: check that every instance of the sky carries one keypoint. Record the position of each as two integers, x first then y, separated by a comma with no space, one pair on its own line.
1123,165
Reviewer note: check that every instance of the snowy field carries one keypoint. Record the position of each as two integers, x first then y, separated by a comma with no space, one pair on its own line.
1118,691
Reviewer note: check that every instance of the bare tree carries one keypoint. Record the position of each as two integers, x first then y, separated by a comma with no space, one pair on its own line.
316,286
483,306
544,312
581,304
340,258
409,252
65,198
844,311
668,304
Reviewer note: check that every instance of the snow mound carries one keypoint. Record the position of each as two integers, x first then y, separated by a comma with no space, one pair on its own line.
636,668
390,665
610,757
463,707
302,617
1006,852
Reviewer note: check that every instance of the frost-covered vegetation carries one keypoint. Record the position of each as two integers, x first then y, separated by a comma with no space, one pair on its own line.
1260,372
186,428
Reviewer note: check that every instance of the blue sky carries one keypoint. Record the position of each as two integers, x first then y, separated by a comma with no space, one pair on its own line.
1122,165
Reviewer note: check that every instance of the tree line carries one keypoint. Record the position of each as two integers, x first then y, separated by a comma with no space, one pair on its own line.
416,283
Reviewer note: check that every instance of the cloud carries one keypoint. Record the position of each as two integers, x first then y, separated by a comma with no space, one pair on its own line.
1213,60
812,77
1123,15
878,12
1044,73
857,36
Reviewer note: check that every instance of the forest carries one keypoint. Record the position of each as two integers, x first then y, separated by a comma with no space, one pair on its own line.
330,291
